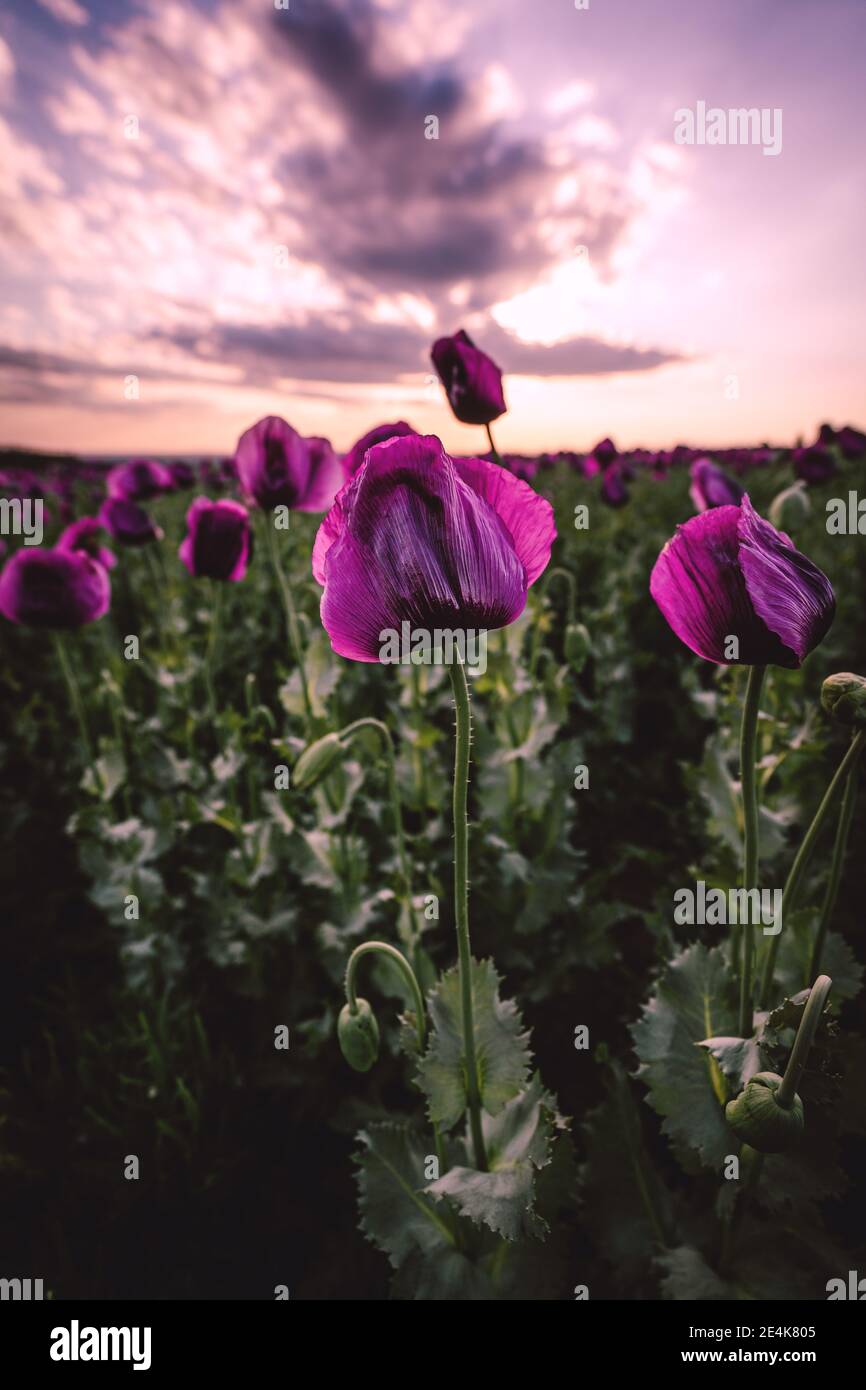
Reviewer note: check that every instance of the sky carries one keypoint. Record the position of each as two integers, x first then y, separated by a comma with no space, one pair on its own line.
214,211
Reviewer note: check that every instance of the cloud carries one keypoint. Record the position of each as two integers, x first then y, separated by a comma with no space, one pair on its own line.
67,11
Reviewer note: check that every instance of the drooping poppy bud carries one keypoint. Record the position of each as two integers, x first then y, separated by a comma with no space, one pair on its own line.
757,1118
472,380
577,646
316,761
790,507
358,1034
843,696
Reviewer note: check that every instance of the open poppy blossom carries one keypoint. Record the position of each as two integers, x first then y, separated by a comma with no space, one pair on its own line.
53,589
418,537
217,543
278,468
727,572
84,535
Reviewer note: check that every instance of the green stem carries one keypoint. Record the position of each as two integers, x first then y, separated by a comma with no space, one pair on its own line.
77,703
559,573
292,627
748,783
802,1043
798,868
391,763
493,449
843,829
213,637
461,902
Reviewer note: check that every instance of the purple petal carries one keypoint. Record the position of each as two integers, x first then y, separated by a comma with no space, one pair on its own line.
325,477
53,589
527,517
788,592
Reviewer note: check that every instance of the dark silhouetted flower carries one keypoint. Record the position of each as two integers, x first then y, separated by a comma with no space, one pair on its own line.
182,474
728,573
472,380
814,465
138,480
277,468
613,489
84,535
420,538
218,544
53,588
711,486
355,457
128,523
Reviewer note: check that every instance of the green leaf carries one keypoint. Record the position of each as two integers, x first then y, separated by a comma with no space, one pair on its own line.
501,1047
795,952
693,1000
686,1275
518,1142
396,1214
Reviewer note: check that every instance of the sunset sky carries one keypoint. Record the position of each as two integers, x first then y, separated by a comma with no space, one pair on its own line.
155,157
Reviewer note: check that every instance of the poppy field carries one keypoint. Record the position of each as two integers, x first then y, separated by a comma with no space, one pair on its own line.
434,877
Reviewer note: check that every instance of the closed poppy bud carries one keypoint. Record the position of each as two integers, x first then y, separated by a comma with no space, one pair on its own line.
472,380
790,507
358,1034
217,545
128,523
316,761
53,589
576,646
844,698
757,1118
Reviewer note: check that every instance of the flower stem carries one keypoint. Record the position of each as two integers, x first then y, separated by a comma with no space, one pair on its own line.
494,451
846,815
292,627
748,783
803,1041
213,637
77,703
461,902
804,853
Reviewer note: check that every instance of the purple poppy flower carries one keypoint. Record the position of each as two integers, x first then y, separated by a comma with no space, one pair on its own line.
711,486
138,480
472,380
217,545
728,573
84,536
53,588
182,474
851,442
277,468
613,489
128,523
355,457
418,537
814,465
604,452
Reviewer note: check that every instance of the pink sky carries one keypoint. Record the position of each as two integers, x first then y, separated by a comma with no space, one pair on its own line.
238,206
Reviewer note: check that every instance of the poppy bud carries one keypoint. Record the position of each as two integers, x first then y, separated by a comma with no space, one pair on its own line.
358,1034
759,1120
844,698
576,646
790,507
316,761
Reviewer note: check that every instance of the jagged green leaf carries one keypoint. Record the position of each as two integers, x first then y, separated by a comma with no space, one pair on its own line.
396,1214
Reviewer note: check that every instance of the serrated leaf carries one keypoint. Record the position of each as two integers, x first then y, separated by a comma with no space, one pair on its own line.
795,953
396,1214
518,1142
501,1047
739,1059
693,1000
686,1275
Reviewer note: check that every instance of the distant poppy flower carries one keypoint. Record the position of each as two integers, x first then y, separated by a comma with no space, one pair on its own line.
418,537
472,380
613,489
217,544
128,523
712,487
814,465
182,474
604,452
138,480
84,536
851,442
355,457
53,588
727,572
277,468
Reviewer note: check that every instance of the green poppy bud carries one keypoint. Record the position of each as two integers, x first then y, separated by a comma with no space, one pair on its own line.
316,760
576,646
844,698
790,507
358,1033
758,1119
